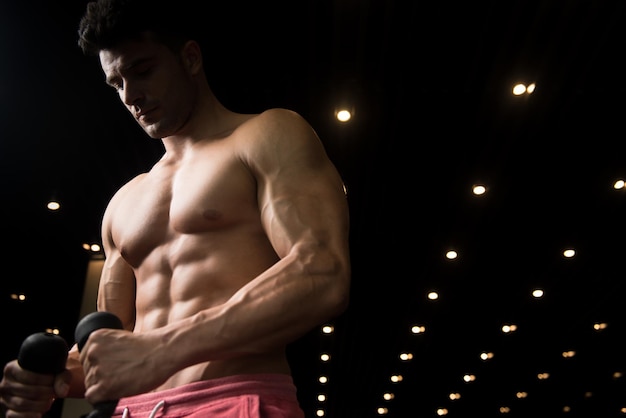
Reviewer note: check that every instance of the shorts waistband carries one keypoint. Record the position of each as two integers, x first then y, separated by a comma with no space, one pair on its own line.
206,391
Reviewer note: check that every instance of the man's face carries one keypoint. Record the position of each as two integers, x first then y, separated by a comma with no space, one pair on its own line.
151,82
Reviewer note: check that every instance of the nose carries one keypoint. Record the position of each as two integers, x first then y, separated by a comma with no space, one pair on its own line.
130,94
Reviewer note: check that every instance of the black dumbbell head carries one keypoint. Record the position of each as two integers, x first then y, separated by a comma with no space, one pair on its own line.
44,353
92,322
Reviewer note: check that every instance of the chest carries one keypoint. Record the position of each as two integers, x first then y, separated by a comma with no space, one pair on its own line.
209,194
198,196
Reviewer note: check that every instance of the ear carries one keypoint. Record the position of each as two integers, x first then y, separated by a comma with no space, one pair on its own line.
191,56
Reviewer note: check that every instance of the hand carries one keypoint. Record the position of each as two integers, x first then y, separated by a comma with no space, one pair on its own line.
118,363
27,394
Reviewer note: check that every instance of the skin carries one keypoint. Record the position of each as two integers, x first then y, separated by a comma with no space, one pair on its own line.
232,246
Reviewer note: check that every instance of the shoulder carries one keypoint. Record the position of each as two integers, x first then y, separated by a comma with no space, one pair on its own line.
277,114
124,190
129,186
281,141
277,131
281,115
274,123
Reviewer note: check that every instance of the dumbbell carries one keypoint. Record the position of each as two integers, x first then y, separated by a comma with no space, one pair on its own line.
44,353
90,323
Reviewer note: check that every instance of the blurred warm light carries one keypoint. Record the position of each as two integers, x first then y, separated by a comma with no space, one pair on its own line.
53,205
486,356
569,253
469,378
479,189
537,293
509,328
343,115
617,375
600,326
54,331
442,411
521,395
505,409
433,295
418,329
543,376
328,329
568,354
382,411
320,412
451,255
520,89
396,378
324,357
323,379
95,248
388,396
321,397
588,394
619,184
18,296
406,356
454,396
566,408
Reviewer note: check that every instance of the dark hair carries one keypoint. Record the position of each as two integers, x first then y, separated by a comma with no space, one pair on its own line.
106,23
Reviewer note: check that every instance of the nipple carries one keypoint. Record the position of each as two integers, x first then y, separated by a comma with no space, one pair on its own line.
212,214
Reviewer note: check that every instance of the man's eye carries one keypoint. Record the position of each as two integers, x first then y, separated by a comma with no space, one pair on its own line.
142,72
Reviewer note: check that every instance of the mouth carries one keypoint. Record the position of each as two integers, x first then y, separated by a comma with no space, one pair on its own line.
144,114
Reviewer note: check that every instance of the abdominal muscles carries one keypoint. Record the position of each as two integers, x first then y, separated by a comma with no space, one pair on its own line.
195,272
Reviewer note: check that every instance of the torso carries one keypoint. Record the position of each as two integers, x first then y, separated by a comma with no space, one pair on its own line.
191,231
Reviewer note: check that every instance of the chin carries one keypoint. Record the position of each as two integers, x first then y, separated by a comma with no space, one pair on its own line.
153,131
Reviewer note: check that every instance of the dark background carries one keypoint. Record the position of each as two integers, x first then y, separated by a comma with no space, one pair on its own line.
430,85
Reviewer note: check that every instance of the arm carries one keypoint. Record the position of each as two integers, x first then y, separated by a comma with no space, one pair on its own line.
116,294
117,286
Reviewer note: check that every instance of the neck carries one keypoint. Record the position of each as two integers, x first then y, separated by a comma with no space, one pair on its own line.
204,121
209,120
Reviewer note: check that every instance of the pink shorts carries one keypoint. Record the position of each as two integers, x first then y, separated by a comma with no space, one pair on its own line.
241,396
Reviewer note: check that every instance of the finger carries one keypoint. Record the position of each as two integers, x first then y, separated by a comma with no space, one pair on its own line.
29,398
13,414
26,407
14,373
25,392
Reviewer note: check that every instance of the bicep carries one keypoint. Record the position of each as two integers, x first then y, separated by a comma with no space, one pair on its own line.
305,209
116,289
301,194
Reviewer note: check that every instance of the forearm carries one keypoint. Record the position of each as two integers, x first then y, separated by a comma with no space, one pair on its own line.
273,310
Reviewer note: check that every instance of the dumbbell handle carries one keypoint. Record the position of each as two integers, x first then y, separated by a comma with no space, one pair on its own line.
90,323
